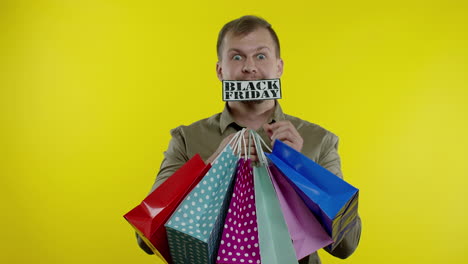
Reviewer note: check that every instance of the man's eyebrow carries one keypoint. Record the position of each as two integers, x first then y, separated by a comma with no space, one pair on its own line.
239,51
262,47
234,50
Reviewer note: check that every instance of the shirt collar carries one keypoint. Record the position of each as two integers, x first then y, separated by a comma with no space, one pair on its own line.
226,118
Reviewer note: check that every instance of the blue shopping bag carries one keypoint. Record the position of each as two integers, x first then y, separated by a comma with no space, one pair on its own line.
332,200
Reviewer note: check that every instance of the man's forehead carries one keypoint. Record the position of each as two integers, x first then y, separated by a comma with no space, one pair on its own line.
259,38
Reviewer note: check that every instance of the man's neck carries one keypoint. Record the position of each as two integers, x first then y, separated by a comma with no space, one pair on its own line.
252,114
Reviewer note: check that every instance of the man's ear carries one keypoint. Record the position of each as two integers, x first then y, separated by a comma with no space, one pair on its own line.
219,71
280,65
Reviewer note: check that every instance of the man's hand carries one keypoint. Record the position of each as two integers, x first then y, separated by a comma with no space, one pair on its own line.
285,132
252,152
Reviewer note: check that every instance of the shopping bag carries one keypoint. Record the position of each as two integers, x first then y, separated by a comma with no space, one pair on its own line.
306,232
332,200
149,217
274,239
194,230
239,242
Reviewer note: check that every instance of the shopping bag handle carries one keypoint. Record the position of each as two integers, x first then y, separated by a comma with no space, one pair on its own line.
238,142
258,141
235,142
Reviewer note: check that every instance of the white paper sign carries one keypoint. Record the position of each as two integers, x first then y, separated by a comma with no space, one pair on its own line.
251,90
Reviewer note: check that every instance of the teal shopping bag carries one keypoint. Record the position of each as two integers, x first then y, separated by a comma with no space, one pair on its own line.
276,246
194,229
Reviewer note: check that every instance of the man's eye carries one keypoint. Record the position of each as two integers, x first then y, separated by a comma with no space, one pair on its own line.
261,56
237,57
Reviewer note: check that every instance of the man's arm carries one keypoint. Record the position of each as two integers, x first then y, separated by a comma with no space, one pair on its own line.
174,157
330,160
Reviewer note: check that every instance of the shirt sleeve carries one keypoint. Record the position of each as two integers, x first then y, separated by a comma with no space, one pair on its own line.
330,160
174,157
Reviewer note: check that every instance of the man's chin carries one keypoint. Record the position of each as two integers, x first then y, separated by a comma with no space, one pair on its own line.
253,102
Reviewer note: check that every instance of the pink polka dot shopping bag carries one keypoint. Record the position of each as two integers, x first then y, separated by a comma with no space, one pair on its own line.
239,242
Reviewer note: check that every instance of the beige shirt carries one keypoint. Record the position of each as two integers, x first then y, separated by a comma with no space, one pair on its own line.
204,136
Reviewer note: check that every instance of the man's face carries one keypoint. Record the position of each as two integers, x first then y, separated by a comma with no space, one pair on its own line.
249,57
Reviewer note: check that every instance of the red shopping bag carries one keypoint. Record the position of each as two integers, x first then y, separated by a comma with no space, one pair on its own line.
149,217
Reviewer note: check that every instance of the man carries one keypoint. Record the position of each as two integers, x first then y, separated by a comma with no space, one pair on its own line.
248,49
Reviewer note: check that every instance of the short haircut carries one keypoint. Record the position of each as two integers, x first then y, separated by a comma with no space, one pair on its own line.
243,26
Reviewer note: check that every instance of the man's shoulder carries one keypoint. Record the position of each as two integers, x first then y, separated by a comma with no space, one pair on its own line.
201,125
306,127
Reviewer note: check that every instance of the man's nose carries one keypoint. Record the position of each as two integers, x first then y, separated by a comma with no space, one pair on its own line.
249,66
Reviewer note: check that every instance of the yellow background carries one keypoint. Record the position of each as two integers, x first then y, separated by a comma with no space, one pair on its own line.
91,88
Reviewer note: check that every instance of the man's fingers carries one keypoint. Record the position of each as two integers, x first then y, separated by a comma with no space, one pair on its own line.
252,151
289,143
278,124
287,133
286,126
283,135
254,158
268,129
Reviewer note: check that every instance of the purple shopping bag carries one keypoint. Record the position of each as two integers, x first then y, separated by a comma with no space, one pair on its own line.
306,232
239,242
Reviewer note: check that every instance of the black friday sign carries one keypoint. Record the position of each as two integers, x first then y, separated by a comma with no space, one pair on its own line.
251,90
